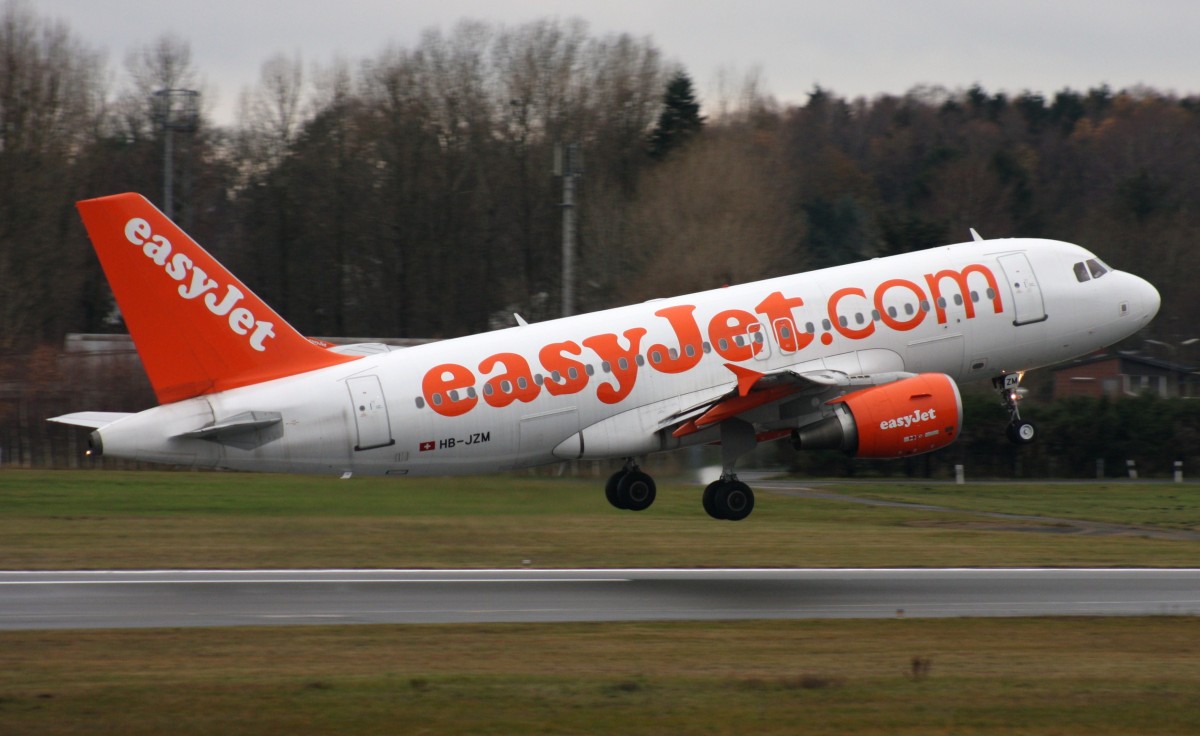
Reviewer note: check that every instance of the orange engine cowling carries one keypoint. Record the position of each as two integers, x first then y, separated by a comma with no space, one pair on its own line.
908,417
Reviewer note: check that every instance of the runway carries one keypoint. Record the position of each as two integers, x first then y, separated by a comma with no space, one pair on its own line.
150,599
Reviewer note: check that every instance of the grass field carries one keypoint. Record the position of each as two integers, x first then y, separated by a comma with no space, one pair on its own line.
82,519
904,676
1028,676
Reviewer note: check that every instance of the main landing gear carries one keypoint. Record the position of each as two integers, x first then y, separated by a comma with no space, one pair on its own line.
1020,431
630,489
727,498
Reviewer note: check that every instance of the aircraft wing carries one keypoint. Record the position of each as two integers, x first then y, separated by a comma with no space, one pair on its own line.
754,389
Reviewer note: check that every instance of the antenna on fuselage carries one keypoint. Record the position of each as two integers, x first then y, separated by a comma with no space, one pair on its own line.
976,236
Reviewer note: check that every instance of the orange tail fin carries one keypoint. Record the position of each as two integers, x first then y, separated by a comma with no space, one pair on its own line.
197,328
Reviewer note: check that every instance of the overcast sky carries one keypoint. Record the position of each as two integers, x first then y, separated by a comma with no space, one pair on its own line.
852,47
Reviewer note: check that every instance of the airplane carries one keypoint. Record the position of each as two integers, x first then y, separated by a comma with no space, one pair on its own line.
865,358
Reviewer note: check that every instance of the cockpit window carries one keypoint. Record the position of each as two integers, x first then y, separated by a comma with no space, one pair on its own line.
1092,268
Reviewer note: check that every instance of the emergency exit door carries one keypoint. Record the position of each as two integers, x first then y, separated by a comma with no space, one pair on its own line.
370,413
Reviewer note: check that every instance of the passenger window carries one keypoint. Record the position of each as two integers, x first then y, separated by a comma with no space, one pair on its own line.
1081,272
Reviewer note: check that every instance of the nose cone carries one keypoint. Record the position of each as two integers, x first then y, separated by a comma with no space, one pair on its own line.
1147,299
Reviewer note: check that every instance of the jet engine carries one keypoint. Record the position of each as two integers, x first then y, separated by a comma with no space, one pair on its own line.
909,417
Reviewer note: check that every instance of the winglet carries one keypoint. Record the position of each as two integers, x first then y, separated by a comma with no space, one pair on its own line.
746,377
197,328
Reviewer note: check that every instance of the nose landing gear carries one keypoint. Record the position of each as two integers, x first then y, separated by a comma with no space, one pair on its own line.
1019,431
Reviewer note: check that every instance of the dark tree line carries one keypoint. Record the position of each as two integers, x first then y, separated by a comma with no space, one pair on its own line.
410,193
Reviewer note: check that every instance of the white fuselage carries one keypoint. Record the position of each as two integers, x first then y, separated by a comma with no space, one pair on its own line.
606,384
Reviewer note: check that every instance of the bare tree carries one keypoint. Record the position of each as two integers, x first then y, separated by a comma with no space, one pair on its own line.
708,217
50,104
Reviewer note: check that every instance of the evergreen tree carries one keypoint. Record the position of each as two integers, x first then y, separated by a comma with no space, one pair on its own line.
679,120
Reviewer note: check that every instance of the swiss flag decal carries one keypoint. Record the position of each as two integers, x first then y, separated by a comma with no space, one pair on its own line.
426,446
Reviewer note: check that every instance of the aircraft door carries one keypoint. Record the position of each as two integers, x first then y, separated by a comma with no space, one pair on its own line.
370,413
755,337
1022,284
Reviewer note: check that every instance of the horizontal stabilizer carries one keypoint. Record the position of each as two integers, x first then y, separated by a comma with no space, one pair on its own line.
236,425
90,419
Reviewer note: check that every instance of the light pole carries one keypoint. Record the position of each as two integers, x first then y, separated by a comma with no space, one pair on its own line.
568,163
176,110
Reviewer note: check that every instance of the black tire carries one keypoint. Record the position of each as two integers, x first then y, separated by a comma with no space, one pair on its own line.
1021,432
636,491
610,488
710,499
736,500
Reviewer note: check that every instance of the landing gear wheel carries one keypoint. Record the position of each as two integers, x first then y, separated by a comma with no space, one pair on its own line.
636,491
736,500
1021,432
710,496
610,488
728,499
